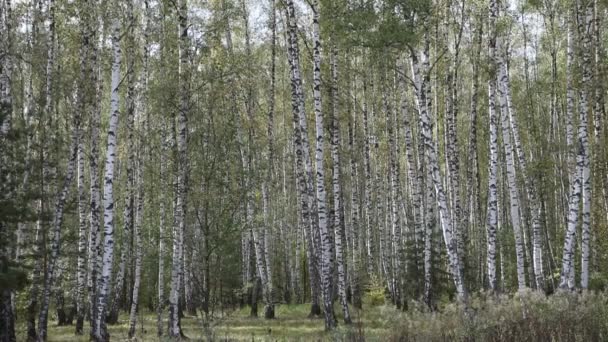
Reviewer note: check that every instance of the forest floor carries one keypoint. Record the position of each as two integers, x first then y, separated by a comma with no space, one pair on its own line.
291,324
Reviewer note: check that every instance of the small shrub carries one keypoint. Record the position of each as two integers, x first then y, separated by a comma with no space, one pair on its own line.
375,292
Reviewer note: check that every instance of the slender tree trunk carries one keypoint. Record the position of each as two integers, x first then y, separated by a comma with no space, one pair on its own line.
56,231
41,225
338,208
7,304
138,247
421,81
395,186
514,206
81,277
84,103
414,186
326,256
473,177
355,228
492,213
161,233
303,160
94,244
367,187
182,127
586,29
104,282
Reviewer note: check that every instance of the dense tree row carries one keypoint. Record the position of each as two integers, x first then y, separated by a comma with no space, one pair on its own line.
185,157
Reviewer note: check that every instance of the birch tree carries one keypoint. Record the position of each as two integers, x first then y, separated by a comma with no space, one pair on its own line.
182,150
326,256
99,329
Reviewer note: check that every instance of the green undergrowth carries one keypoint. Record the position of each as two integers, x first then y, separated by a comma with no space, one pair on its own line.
527,316
291,324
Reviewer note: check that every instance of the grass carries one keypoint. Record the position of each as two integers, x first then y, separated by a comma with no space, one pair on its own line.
291,324
525,316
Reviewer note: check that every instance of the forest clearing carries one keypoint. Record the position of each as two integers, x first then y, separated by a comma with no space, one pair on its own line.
303,170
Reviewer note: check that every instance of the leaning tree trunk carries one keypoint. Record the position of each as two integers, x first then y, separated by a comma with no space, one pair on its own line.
514,206
303,160
105,279
56,231
62,194
422,82
529,184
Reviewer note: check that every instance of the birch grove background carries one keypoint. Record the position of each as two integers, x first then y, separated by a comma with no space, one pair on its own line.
170,167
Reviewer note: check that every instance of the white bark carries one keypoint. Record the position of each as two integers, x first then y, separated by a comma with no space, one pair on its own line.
84,103
367,187
108,194
511,171
586,29
94,252
431,158
303,160
492,214
338,208
56,232
182,129
326,243
162,233
138,249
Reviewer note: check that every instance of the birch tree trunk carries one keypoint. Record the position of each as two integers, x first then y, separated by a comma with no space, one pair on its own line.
367,187
56,231
6,68
138,247
492,214
7,297
104,282
431,158
162,233
355,226
303,161
269,309
41,224
94,243
529,183
182,129
128,213
82,220
395,186
338,208
510,166
585,14
326,247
